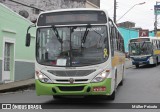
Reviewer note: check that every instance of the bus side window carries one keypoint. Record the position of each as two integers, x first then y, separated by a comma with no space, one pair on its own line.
157,42
115,40
112,36
117,44
121,42
154,45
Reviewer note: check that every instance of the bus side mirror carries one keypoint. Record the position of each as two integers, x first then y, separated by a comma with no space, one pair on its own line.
28,39
28,35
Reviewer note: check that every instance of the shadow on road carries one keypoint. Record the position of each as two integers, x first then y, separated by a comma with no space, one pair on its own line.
146,66
80,102
80,99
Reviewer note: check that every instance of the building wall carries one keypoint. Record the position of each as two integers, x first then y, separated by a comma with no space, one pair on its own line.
127,35
1,41
151,34
26,70
95,2
126,24
44,5
92,4
0,70
13,29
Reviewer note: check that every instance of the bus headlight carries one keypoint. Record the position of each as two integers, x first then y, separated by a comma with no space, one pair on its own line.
101,77
43,78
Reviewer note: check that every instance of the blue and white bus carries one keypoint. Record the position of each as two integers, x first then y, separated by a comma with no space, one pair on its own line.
144,50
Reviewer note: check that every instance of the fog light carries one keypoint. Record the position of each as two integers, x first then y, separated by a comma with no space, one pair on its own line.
97,89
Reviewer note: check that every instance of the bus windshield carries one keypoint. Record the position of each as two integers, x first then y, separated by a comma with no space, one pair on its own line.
140,48
72,45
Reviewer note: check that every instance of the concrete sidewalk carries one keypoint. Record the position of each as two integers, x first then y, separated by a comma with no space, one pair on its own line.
18,85
13,86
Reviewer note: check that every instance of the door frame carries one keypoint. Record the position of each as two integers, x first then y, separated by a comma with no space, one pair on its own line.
11,41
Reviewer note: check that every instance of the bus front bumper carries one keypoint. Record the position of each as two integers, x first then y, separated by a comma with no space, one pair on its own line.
100,88
140,62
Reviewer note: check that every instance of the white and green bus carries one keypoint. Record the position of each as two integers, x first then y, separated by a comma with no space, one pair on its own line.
144,50
78,52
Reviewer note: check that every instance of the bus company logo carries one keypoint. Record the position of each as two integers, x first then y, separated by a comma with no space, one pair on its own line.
71,80
6,106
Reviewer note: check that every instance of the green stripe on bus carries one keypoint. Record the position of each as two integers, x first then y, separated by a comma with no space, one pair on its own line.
46,89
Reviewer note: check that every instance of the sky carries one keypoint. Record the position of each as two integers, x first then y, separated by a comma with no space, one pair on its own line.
142,15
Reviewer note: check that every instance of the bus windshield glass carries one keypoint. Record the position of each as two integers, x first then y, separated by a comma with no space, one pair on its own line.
72,45
140,48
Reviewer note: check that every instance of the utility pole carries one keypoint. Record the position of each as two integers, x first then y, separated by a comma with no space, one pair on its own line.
114,15
155,23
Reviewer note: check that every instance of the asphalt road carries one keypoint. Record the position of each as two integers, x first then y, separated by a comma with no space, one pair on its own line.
141,85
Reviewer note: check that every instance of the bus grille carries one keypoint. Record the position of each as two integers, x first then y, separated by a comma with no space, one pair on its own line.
71,73
67,81
140,59
72,88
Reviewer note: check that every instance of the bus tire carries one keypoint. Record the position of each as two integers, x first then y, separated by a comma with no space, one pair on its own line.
156,62
137,65
121,83
112,96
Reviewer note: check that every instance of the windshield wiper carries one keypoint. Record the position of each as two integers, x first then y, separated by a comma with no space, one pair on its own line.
86,33
143,44
57,34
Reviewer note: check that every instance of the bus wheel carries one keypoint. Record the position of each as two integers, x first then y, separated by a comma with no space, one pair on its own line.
137,66
156,62
112,96
121,83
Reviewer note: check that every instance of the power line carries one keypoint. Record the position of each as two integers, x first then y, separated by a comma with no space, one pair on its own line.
115,7
130,9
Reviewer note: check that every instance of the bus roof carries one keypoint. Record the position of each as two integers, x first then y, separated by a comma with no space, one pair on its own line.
147,37
74,9
141,39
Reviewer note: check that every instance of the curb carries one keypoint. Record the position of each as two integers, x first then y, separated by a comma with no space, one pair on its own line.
18,85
